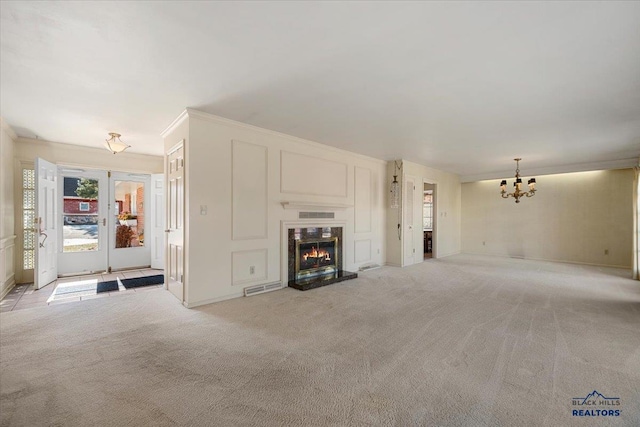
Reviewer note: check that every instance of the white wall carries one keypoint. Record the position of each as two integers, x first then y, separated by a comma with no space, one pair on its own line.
243,174
447,213
573,217
26,150
7,228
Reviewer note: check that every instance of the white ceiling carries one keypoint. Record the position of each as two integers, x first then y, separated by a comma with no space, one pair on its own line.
460,86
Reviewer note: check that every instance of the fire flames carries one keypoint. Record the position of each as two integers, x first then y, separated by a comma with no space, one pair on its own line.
314,253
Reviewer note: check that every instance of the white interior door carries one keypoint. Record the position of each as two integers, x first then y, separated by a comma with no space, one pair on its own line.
174,271
158,221
82,220
130,209
408,234
46,265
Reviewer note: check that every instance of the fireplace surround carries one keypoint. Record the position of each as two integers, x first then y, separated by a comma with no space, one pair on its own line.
315,257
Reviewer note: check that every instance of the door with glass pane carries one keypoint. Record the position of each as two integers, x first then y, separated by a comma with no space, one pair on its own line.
129,242
83,221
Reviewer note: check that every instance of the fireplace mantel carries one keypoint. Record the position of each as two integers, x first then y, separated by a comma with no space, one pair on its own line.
314,205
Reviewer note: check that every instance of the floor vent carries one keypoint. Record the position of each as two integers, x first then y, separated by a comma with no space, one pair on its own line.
259,289
368,267
307,215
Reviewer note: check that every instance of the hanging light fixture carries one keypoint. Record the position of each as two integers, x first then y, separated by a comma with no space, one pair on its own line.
394,198
114,144
517,192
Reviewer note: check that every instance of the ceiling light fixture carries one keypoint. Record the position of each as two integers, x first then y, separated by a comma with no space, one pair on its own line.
114,144
517,192
394,199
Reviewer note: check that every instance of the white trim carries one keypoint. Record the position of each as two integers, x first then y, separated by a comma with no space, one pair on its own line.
314,205
552,170
221,120
8,129
623,267
174,124
212,300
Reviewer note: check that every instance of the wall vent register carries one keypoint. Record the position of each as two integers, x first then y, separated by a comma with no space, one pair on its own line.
316,215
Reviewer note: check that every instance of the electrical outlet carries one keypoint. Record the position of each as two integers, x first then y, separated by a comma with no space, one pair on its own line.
606,251
252,270
203,209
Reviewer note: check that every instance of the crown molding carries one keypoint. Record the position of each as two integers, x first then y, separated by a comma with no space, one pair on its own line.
190,112
7,128
552,170
174,124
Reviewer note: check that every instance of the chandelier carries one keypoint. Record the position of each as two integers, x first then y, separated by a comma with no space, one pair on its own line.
394,198
517,192
114,144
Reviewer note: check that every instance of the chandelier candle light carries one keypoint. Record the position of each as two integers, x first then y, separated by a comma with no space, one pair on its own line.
517,192
114,144
394,199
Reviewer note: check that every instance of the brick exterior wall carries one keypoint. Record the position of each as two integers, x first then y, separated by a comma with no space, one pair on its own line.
72,206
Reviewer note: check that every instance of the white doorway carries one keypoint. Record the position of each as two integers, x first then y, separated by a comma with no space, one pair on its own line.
99,222
428,220
82,220
129,208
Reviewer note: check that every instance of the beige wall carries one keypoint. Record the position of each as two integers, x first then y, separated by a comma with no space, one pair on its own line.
573,217
7,228
227,161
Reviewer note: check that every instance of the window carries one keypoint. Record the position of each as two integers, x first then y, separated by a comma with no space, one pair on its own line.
427,210
28,218
84,206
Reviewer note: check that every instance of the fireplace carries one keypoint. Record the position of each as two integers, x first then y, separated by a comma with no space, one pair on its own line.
315,257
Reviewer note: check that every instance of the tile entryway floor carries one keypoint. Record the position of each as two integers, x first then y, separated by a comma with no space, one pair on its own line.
26,296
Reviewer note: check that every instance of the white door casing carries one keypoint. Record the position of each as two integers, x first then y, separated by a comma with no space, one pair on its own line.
174,265
408,221
158,223
46,263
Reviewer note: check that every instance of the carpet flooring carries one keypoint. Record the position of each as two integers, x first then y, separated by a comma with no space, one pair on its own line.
460,341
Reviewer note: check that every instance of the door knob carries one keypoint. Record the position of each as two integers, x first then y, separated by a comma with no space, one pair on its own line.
167,231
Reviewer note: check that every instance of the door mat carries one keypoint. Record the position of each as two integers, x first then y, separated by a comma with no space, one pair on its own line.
65,288
108,286
137,282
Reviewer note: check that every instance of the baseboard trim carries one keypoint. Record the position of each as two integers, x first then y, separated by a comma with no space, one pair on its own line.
549,260
7,288
392,264
446,255
212,300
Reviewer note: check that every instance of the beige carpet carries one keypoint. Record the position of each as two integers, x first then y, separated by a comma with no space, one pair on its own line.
470,341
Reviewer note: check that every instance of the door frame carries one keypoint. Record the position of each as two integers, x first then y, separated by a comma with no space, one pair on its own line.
434,235
95,260
128,258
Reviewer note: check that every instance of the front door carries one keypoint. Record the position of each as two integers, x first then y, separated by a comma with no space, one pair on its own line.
83,221
130,206
46,265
